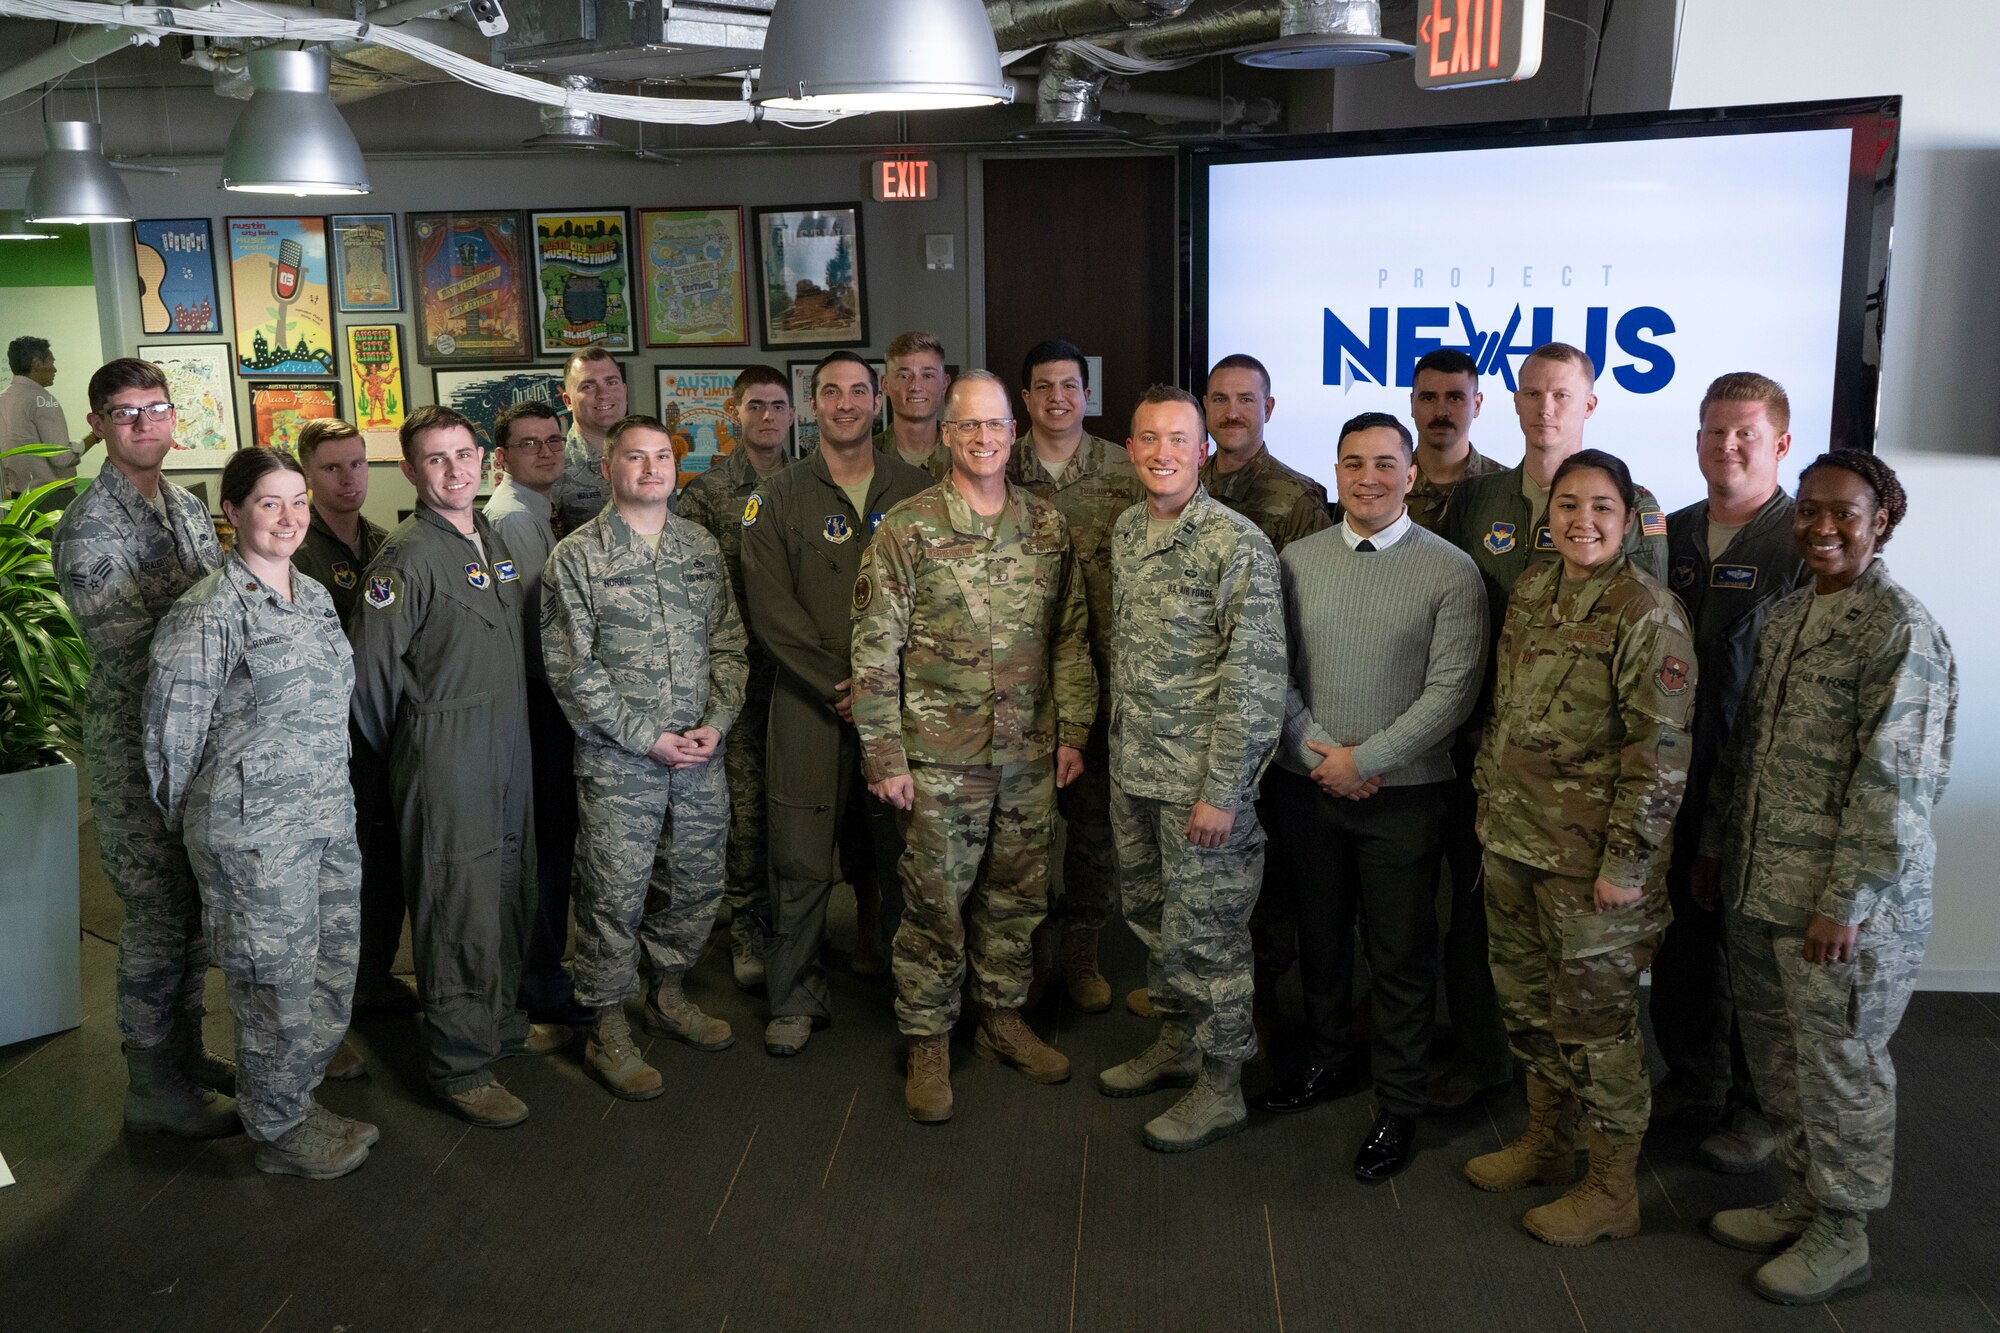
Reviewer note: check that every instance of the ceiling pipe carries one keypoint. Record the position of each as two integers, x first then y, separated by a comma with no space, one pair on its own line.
1067,93
1207,34
1020,24
83,48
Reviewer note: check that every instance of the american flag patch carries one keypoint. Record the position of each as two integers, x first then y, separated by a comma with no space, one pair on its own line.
1653,523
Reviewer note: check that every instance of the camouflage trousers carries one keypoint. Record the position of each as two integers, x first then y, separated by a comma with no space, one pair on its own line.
955,916
1568,981
284,926
649,868
747,888
162,956
1190,906
1817,1039
1089,871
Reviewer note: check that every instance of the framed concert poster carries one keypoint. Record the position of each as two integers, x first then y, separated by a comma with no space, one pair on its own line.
472,277
204,397
694,407
365,279
583,280
482,395
177,291
809,277
278,288
277,411
376,379
691,277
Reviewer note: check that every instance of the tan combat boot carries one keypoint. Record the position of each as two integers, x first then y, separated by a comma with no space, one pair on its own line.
670,1013
1831,1256
1604,1203
162,1099
1212,1109
615,1062
927,1087
1545,1152
1769,1228
314,1149
1088,990
1006,1037
1170,1062
1140,1002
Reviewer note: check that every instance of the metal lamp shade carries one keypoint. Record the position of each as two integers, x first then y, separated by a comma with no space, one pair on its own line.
290,139
73,182
880,55
14,226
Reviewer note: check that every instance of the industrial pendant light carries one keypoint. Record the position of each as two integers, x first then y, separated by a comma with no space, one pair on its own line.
73,182
880,55
14,226
290,139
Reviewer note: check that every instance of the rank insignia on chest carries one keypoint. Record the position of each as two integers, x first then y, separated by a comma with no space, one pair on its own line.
1672,676
381,592
1543,541
1652,523
1500,538
476,576
751,508
875,521
343,575
837,529
505,569
1682,574
1740,577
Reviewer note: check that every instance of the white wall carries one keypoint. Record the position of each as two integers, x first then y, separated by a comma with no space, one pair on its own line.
1940,410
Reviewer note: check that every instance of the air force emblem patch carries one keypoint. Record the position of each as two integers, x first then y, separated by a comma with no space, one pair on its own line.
752,507
381,593
476,576
505,569
1672,677
1682,574
1500,539
837,529
343,575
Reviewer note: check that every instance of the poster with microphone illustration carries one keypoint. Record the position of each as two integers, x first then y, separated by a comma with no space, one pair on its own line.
278,281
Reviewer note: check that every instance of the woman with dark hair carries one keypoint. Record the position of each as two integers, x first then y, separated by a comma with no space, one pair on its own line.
1579,780
1819,843
246,750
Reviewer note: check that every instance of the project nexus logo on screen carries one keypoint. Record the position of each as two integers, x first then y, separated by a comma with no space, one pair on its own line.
1384,345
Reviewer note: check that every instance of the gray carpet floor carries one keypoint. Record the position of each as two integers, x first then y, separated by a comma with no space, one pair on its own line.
761,1194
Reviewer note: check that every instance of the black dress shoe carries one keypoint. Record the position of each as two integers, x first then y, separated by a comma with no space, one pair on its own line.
1309,1087
1388,1148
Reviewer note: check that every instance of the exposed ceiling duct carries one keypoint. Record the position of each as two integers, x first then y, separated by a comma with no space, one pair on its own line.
1020,24
566,127
1068,95
359,69
1326,34
1207,33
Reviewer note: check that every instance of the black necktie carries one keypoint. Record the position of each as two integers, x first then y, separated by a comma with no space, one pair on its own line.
1366,545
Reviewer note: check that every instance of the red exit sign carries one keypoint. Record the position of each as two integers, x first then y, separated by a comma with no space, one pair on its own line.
1463,43
899,178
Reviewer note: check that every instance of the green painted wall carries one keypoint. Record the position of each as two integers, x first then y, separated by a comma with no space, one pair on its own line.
63,262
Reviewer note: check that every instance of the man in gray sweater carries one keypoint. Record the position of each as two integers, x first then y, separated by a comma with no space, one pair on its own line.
1387,631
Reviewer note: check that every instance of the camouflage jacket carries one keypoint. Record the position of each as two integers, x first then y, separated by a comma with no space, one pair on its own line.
120,569
640,643
938,464
1429,500
1586,756
715,500
1283,502
1092,490
1197,657
580,490
802,547
969,650
246,713
1843,747
336,566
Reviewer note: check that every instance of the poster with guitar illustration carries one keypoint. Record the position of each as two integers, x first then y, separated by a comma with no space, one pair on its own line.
176,276
278,282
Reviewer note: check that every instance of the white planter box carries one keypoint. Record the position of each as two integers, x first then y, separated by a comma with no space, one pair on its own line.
41,948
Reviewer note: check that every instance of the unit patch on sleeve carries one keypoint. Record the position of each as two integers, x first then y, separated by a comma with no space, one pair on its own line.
1672,677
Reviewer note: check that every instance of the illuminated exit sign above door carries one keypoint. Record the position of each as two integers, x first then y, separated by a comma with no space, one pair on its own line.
1463,43
897,179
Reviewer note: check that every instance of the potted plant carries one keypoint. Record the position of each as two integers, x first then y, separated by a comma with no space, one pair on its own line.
43,667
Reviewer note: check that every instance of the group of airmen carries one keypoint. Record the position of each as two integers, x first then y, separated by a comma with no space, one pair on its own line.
1705,743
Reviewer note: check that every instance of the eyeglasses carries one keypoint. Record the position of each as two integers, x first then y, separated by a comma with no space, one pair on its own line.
966,430
125,416
551,445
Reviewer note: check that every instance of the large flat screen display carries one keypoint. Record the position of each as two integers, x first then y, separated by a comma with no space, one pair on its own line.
1672,249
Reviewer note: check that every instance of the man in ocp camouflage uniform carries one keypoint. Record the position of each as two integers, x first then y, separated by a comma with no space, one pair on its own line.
1197,703
123,554
1091,481
971,668
594,391
760,404
645,651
